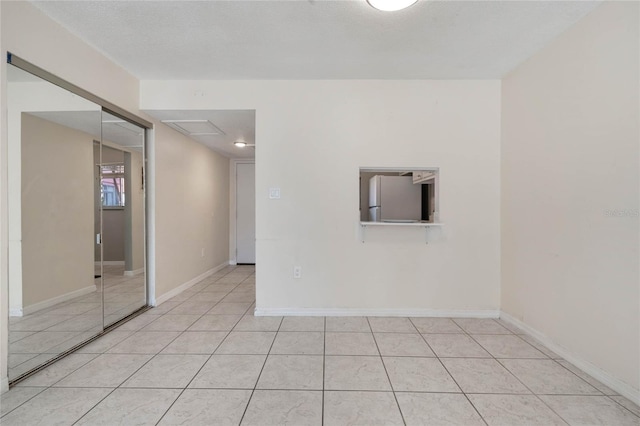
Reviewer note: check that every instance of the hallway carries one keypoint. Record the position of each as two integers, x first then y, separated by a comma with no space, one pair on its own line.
203,358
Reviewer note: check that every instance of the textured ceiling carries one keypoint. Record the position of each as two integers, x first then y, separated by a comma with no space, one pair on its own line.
316,39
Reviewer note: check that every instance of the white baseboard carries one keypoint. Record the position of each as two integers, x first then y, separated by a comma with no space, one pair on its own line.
133,273
372,312
28,310
4,384
233,262
110,263
182,287
597,373
15,312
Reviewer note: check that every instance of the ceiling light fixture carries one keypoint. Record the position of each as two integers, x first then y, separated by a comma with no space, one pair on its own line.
390,5
242,144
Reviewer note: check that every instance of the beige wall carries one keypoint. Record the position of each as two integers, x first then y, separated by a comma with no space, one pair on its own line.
192,209
569,158
113,235
312,138
57,210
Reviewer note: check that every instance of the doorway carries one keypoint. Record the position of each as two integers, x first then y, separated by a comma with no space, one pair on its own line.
246,213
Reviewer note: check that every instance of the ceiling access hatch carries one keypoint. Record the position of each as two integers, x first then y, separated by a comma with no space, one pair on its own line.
194,127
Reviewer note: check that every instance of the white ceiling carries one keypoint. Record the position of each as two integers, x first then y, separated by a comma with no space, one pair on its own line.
316,39
236,124
310,39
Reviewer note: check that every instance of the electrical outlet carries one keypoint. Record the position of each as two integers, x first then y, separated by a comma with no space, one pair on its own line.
297,271
202,252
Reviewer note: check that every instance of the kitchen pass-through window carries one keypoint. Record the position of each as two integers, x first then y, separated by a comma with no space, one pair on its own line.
399,195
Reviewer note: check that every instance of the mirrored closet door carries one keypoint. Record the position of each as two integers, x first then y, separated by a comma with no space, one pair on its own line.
76,220
122,206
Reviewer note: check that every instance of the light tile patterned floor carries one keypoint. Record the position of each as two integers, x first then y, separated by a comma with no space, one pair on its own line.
202,358
41,336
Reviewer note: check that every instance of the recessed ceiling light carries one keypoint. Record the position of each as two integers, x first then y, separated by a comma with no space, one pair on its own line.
194,127
391,5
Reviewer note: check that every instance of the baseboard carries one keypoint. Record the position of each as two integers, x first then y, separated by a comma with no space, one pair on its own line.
4,384
597,373
185,286
372,312
28,310
15,312
233,262
133,273
110,263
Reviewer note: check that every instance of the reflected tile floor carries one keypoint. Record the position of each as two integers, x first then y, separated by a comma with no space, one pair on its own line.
42,335
203,358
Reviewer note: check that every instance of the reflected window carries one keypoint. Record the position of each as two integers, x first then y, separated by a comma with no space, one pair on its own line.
112,185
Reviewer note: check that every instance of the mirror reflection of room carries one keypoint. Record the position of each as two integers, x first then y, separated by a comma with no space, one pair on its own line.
59,194
121,199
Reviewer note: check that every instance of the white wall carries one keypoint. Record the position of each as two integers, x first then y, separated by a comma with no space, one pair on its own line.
570,155
192,210
312,137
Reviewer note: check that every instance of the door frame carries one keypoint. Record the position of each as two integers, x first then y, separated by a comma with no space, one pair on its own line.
233,208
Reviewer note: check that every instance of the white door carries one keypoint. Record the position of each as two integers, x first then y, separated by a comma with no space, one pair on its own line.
245,213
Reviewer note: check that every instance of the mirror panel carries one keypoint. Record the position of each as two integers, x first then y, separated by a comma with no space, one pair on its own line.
122,205
55,295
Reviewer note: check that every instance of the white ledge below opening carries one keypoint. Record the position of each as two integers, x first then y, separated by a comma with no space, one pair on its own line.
400,224
425,225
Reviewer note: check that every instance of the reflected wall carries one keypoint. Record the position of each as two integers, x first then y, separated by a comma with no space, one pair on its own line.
68,161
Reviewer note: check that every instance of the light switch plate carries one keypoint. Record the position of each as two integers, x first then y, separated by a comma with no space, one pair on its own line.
274,193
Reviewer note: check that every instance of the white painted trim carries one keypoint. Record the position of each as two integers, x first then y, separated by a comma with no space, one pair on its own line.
232,205
597,373
185,286
372,312
150,214
15,312
4,385
133,273
111,263
28,310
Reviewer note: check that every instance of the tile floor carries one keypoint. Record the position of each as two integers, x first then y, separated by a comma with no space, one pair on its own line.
202,358
36,338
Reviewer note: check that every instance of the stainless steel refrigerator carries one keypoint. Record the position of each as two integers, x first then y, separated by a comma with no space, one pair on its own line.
394,199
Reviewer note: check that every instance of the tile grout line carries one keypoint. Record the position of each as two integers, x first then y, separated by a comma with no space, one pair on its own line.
145,363
512,374
105,352
449,373
266,358
205,363
395,397
324,362
620,405
94,406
